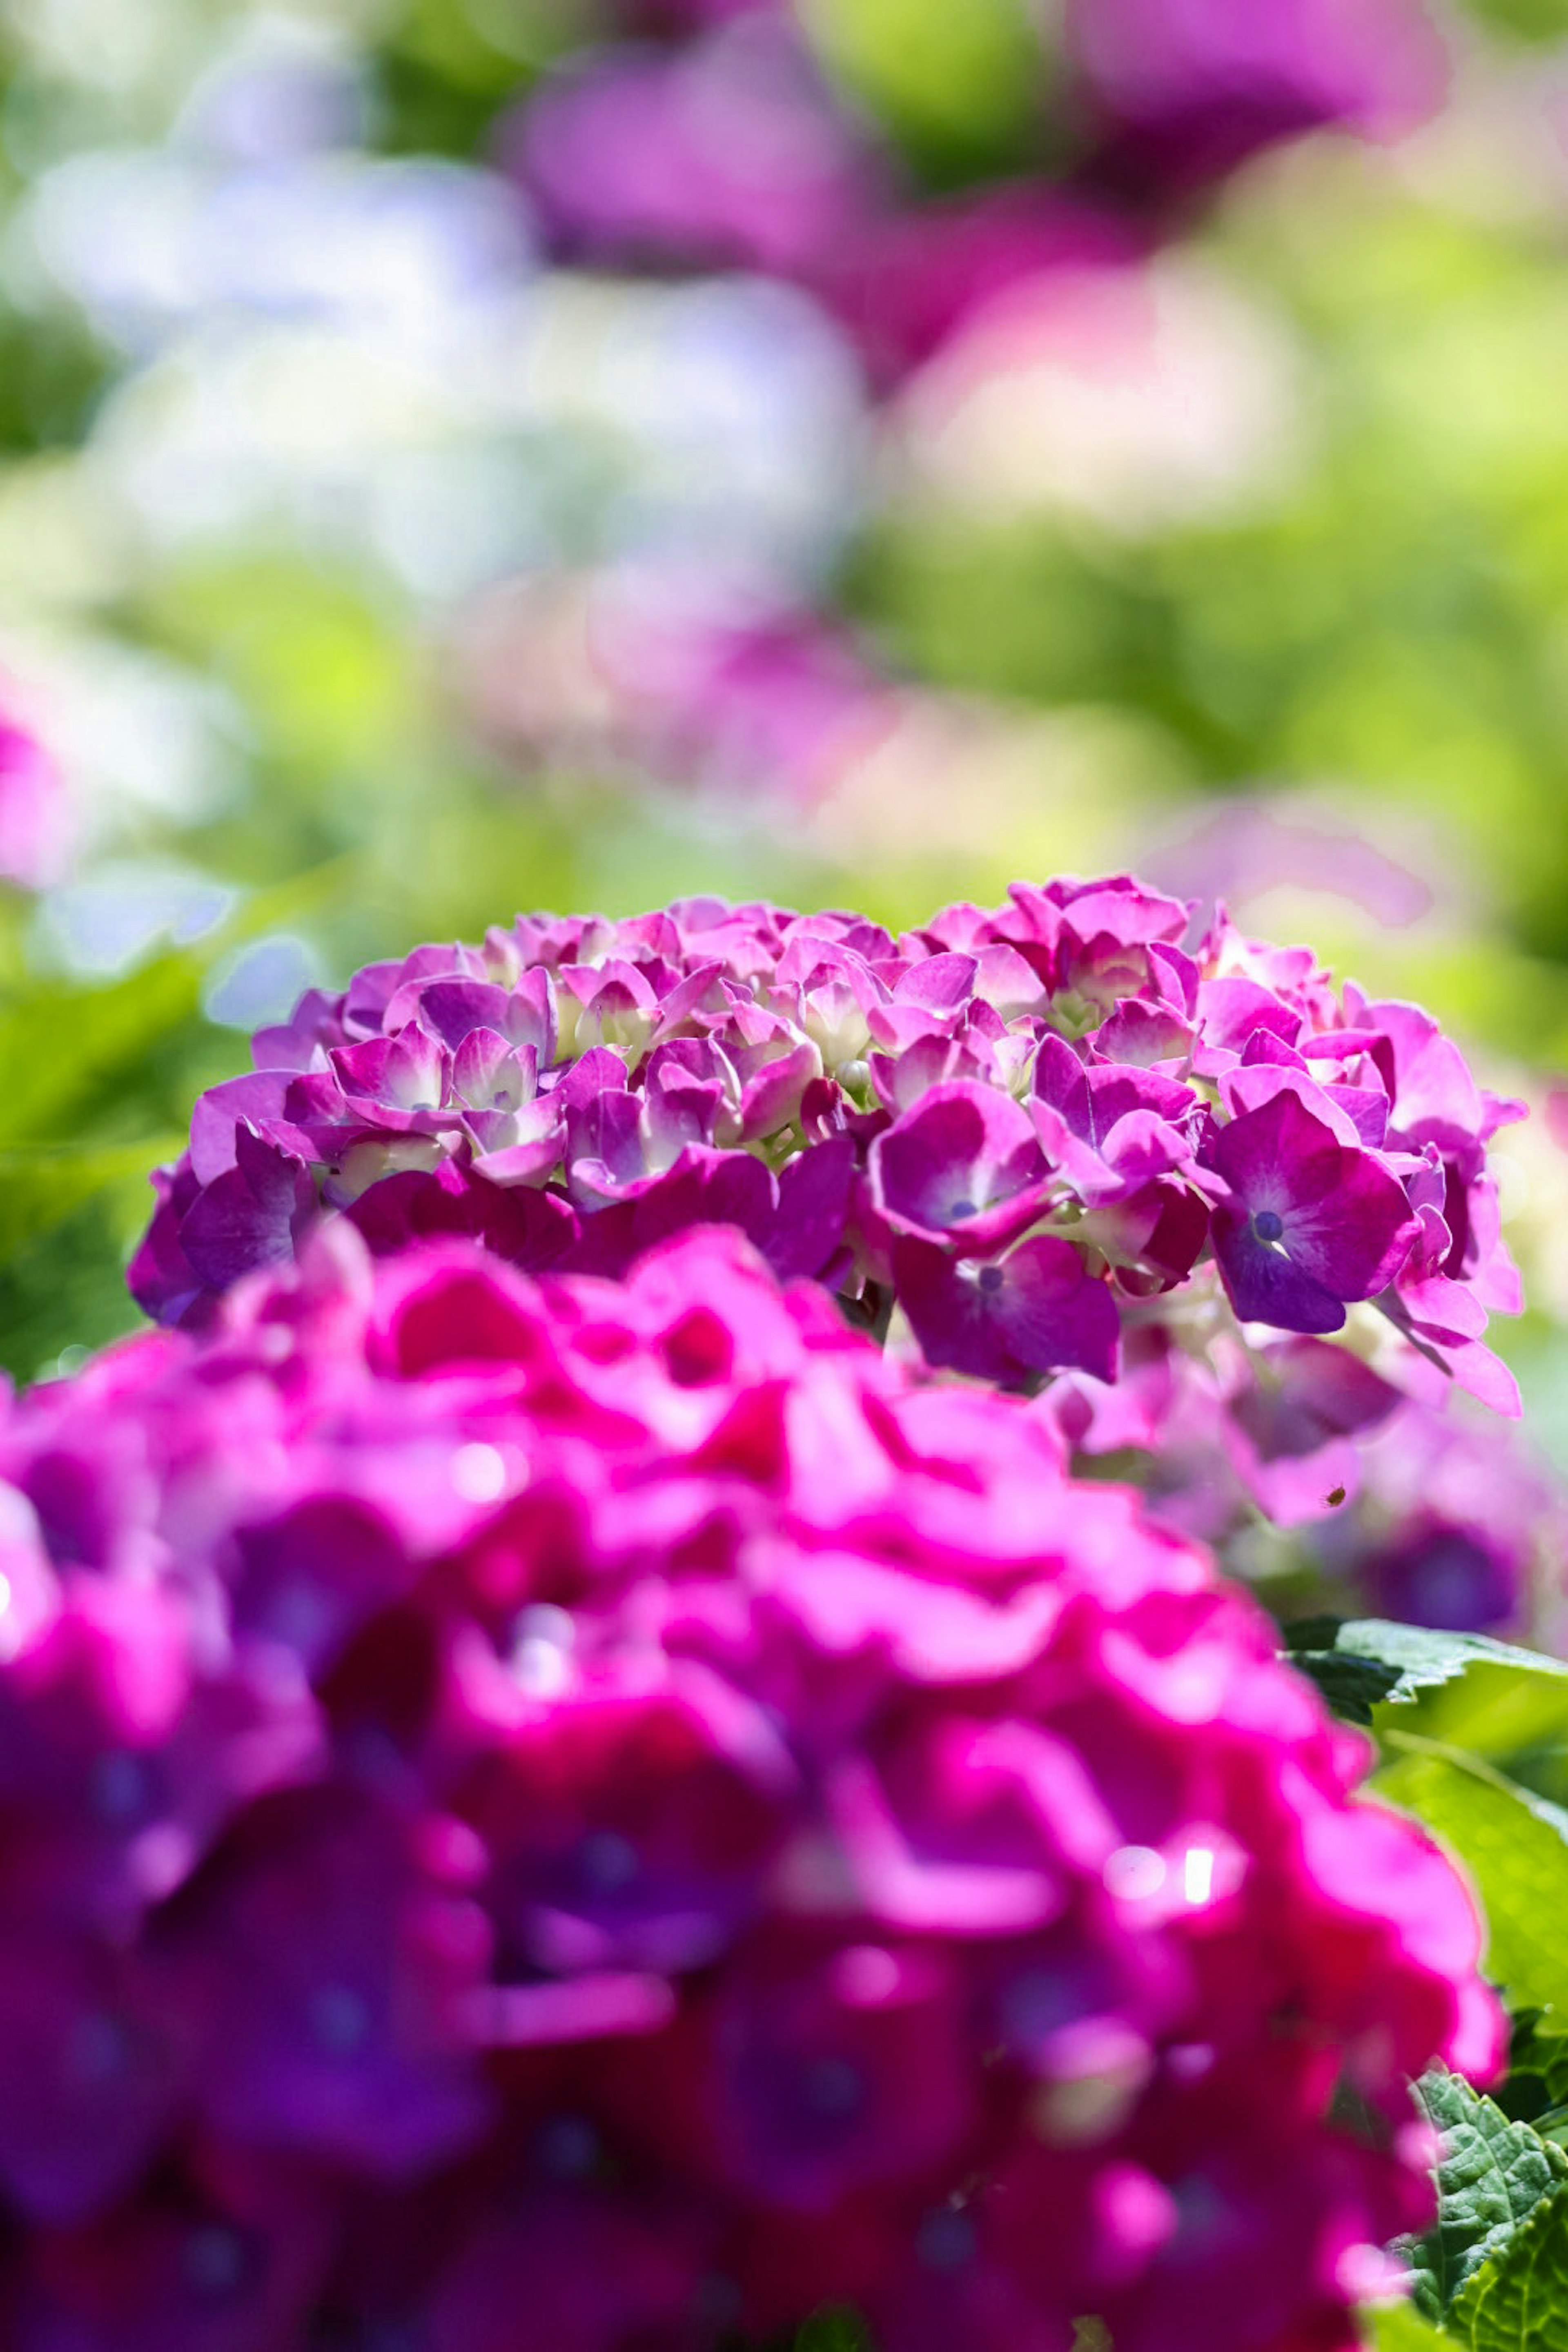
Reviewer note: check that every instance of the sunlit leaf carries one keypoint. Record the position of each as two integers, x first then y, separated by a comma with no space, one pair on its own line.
1492,2175
1514,1846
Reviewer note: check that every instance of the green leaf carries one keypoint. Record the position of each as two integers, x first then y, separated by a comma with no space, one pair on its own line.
1399,2327
68,1221
65,1049
832,2331
1514,1845
1538,2058
1354,1686
1518,2303
1491,2176
1530,20
954,83
41,1189
1370,1662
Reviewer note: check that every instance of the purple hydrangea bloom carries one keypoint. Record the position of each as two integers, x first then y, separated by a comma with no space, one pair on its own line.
1319,1482
1188,89
703,684
1453,1521
1038,1142
726,152
723,145
619,1801
677,17
905,279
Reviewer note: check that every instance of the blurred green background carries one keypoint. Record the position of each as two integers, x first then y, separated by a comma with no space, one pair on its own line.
311,459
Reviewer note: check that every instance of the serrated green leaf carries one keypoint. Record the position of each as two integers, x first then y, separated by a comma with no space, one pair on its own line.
1514,1845
1370,1662
1518,2303
1353,1687
1491,2176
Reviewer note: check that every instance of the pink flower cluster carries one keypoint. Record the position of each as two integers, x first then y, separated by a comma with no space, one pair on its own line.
34,822
612,1810
1053,1137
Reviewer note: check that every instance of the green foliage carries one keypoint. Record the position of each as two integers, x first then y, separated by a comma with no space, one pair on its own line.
1518,2301
1459,1718
832,2331
1531,20
1514,1845
1536,2085
62,1286
1401,2328
1492,2175
1362,1664
961,86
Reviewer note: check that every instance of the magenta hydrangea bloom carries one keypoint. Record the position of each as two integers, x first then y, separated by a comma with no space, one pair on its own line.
34,816
726,152
1187,91
1454,1522
1055,1138
1423,1508
673,18
905,278
619,1801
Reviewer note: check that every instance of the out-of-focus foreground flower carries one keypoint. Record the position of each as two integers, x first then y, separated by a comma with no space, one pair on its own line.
1051,1137
614,1804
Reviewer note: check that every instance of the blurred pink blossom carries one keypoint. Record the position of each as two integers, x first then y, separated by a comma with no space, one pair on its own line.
35,826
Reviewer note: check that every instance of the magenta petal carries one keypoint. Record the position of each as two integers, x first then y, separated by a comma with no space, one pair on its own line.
531,1227
1338,1226
814,1206
962,1164
257,1099
709,1188
90,2075
1036,1310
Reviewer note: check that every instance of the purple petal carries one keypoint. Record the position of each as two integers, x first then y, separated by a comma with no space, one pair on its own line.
1036,1310
813,1207
251,1217
1263,1284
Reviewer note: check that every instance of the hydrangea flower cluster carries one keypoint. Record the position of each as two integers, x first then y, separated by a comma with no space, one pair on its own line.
614,1803
1188,93
1053,1137
725,145
694,678
1326,1489
1457,1524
